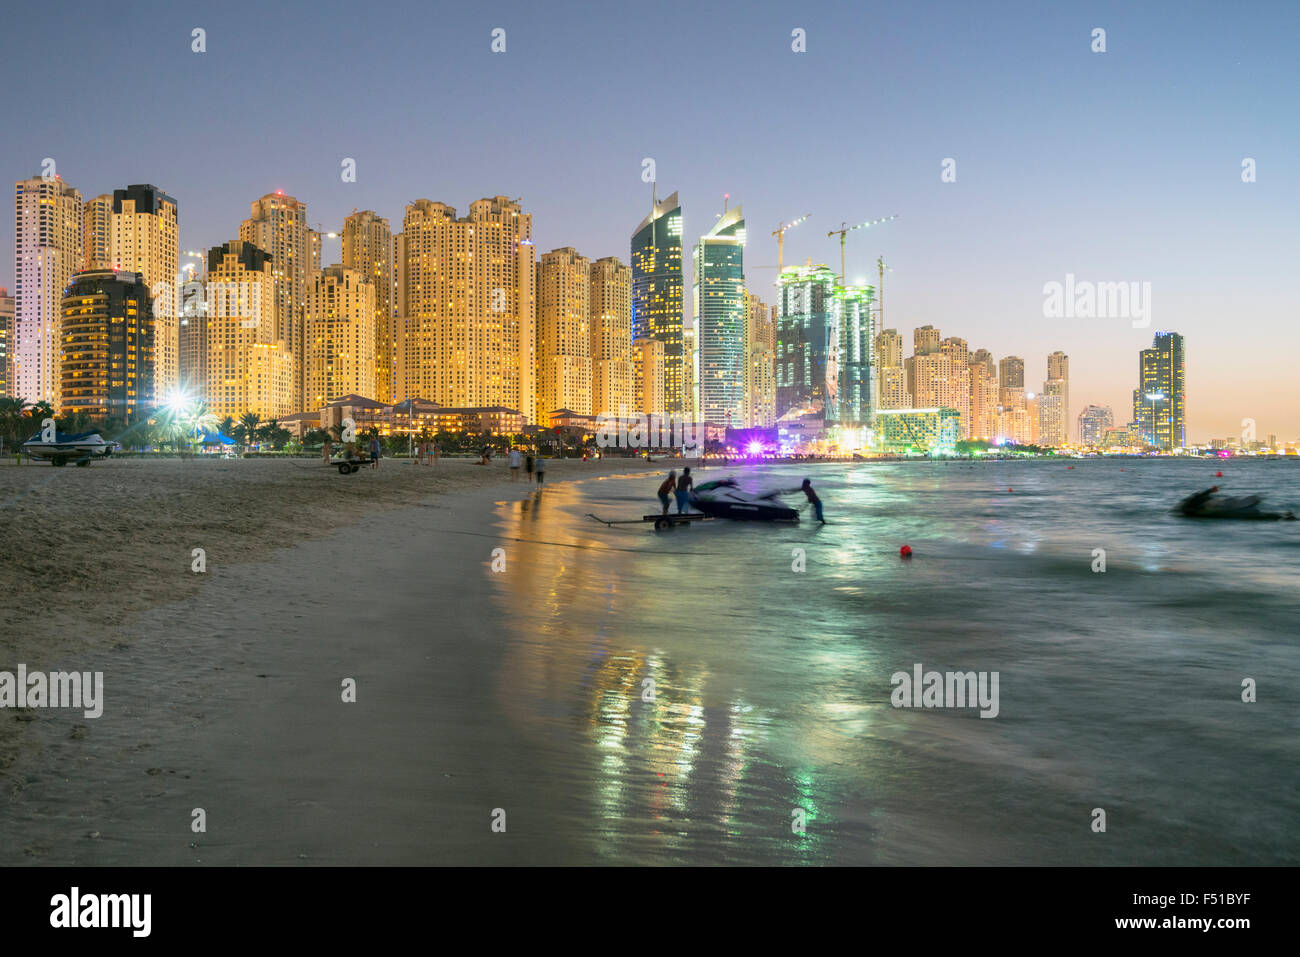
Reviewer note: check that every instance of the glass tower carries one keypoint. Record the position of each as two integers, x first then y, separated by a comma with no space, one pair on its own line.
1159,400
657,294
721,315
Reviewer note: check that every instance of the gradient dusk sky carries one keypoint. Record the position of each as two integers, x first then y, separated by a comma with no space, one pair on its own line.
1116,166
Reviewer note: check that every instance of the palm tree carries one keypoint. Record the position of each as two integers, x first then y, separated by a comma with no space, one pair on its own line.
12,413
246,430
198,421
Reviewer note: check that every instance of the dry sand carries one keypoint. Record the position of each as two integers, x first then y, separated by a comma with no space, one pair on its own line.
95,567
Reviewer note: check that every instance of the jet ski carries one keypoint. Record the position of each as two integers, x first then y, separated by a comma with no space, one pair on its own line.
1211,504
79,448
724,499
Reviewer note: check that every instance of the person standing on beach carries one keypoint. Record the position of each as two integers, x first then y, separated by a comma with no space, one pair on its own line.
684,492
528,467
326,449
514,465
669,484
374,451
541,469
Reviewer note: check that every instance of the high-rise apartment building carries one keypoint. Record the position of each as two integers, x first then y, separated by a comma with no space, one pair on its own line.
891,375
6,342
1054,402
107,340
144,237
613,386
1011,382
564,332
97,232
1159,401
958,350
340,334
466,325
721,320
925,340
277,225
982,373
648,372
368,249
248,368
760,371
1094,420
48,249
657,295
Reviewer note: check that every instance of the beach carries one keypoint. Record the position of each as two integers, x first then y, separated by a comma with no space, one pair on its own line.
533,687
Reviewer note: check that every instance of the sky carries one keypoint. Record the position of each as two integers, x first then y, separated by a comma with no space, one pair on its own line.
1122,166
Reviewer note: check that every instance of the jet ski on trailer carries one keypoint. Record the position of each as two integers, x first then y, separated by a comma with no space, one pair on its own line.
725,499
79,448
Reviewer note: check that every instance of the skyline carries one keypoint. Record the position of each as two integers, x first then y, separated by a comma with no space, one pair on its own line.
1088,164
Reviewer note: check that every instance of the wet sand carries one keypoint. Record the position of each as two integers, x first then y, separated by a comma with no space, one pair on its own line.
213,681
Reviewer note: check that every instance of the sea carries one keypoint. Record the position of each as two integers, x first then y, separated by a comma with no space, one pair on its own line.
731,693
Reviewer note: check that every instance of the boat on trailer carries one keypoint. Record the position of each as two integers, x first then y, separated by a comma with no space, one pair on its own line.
80,448
725,499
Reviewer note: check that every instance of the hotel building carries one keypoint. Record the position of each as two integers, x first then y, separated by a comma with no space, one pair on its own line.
1159,401
563,332
144,238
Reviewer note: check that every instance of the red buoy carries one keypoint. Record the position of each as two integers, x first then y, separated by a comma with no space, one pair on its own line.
905,551
1069,466
1218,475
1009,490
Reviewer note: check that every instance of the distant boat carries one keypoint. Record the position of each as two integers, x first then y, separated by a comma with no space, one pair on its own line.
724,499
79,448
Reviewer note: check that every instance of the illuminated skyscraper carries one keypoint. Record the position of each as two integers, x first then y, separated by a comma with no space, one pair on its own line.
48,249
891,377
107,346
760,372
144,237
1159,401
1011,382
564,332
804,338
959,387
648,372
340,331
97,232
983,396
850,401
277,224
721,317
368,249
1054,401
466,325
612,375
925,340
248,369
1094,420
657,295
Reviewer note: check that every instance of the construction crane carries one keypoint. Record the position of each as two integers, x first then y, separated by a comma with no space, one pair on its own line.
880,292
845,229
779,233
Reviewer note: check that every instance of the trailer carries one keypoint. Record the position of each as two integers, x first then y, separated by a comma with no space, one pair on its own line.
662,523
348,466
